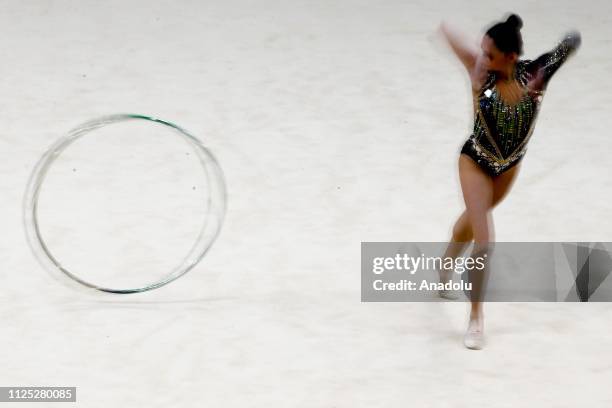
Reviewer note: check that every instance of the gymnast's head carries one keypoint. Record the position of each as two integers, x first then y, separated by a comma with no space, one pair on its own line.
502,44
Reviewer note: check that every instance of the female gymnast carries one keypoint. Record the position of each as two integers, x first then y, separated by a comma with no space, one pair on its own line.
507,93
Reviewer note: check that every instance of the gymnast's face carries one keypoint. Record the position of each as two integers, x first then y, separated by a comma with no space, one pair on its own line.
495,59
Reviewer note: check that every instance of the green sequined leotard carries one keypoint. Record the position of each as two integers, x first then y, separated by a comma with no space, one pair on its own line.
501,131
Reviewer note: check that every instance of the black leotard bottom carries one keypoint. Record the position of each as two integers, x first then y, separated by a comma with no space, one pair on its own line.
490,166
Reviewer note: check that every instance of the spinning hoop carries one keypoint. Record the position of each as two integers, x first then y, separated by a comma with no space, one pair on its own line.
215,205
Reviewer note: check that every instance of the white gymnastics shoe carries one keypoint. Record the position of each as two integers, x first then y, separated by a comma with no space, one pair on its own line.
445,276
474,336
448,294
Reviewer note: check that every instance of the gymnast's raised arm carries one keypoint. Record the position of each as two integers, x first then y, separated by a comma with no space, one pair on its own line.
468,53
548,63
465,50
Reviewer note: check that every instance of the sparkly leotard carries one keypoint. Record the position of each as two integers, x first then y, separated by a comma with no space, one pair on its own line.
501,131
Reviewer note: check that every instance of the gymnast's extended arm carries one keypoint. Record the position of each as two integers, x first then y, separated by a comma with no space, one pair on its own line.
545,66
465,50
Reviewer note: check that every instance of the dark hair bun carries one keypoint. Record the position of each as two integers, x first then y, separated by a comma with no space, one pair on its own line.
514,21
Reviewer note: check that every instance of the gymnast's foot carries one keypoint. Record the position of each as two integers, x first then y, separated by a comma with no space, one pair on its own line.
445,276
474,336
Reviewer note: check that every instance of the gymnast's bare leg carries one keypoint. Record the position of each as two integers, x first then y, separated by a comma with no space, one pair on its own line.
481,194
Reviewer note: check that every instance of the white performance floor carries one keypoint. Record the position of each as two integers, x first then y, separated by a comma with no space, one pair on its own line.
335,122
